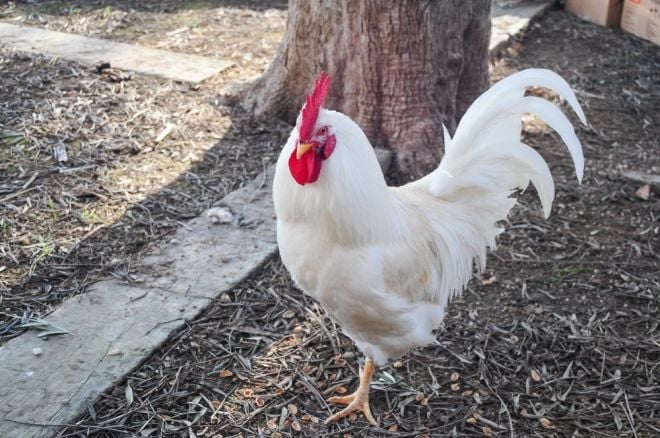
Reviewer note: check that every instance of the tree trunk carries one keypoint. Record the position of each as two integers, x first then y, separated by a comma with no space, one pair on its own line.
399,69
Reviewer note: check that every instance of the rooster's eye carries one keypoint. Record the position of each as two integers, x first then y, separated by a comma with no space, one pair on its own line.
323,131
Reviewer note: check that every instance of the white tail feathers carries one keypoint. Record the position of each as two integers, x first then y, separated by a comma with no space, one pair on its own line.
486,159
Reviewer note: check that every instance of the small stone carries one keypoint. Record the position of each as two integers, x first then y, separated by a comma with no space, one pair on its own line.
220,215
37,351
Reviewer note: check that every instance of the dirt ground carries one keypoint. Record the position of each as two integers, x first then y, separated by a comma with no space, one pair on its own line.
559,337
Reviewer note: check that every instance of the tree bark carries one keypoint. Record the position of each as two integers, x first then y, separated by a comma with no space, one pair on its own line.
399,69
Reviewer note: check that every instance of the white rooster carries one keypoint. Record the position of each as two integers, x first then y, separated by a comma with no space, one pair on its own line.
384,261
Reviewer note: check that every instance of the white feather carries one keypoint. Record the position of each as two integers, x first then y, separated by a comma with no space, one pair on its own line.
383,261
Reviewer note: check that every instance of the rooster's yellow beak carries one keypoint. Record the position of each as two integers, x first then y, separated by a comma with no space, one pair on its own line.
302,149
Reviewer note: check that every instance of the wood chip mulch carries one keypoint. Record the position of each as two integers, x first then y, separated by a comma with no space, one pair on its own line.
558,338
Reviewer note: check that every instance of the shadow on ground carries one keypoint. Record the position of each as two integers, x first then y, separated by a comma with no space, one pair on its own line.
68,224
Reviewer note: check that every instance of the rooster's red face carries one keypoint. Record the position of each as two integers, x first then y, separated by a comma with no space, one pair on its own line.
315,144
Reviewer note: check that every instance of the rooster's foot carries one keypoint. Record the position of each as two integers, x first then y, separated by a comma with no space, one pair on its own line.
358,401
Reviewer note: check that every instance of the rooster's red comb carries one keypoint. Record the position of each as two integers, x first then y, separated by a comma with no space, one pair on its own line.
312,106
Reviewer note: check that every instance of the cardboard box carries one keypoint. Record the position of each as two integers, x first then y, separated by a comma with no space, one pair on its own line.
642,18
603,12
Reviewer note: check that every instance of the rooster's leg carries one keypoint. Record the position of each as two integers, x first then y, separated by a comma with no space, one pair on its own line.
359,400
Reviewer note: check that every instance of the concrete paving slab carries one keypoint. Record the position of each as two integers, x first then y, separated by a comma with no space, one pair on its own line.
92,51
508,22
115,326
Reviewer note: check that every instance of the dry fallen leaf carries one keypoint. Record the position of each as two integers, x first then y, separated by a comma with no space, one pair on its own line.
454,376
247,392
489,281
545,423
536,376
226,373
644,192
259,401
455,387
288,314
393,428
397,364
419,396
293,409
271,424
340,390
472,420
487,431
295,425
